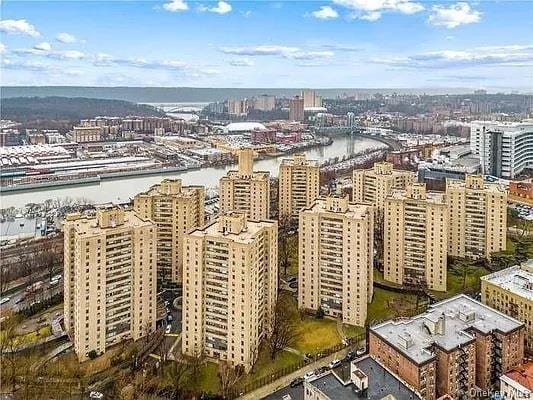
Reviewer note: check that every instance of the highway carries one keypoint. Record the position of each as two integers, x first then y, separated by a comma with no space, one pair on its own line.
21,300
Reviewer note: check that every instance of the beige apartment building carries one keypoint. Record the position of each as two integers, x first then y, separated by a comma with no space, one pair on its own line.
245,190
336,258
415,237
478,217
374,185
175,209
230,288
110,279
458,345
299,185
511,292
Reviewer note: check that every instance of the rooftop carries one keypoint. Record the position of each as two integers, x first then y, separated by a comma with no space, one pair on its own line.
245,236
430,197
244,127
381,383
460,314
352,210
522,375
517,279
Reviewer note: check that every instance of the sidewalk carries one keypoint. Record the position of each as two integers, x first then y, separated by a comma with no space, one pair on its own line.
280,383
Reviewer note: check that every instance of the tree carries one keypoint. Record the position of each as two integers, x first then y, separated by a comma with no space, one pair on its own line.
92,354
8,347
320,313
195,363
283,330
463,269
228,377
284,247
176,378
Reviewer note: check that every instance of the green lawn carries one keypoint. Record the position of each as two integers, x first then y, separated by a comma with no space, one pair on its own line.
387,304
208,381
315,335
352,331
265,366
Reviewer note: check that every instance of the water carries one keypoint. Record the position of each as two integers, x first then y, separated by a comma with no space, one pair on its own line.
122,189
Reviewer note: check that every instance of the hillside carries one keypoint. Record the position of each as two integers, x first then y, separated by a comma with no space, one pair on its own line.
58,112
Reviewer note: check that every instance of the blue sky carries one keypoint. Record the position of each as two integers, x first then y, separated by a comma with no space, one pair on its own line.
320,44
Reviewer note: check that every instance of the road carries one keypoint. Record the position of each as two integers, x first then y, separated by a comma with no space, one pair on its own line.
20,300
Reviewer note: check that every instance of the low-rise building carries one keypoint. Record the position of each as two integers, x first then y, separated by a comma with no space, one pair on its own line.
511,292
457,345
517,384
367,379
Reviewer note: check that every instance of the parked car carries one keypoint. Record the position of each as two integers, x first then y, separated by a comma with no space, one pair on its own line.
309,375
286,397
361,351
96,395
321,370
168,329
4,300
334,364
350,356
296,382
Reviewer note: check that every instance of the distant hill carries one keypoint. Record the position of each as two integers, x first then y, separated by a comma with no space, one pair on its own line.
190,94
58,112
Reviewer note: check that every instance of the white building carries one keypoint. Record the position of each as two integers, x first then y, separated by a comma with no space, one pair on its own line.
505,149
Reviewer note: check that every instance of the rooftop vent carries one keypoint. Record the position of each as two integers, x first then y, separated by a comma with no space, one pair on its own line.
405,340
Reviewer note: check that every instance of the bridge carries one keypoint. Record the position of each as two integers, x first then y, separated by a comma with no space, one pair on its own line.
359,132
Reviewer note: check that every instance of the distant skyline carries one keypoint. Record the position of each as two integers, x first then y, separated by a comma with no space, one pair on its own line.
318,44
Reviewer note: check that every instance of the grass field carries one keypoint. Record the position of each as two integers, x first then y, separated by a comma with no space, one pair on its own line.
387,304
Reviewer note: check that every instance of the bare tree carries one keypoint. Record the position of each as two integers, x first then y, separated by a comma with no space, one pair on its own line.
177,378
284,247
283,330
195,363
228,377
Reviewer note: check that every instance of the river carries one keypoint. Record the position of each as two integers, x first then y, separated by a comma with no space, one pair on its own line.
121,189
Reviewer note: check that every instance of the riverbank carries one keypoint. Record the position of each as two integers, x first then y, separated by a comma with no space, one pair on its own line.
121,189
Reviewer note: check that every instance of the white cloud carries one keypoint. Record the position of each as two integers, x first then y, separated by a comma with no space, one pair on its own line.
371,16
372,10
176,6
2,48
18,27
512,55
275,50
454,15
44,50
243,62
64,37
221,8
44,46
325,12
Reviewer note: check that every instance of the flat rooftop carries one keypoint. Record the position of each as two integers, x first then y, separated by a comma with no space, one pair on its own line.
381,383
256,175
355,210
492,187
517,279
89,226
431,197
461,314
522,375
246,236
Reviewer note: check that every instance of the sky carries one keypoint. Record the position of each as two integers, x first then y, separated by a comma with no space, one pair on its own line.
319,44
